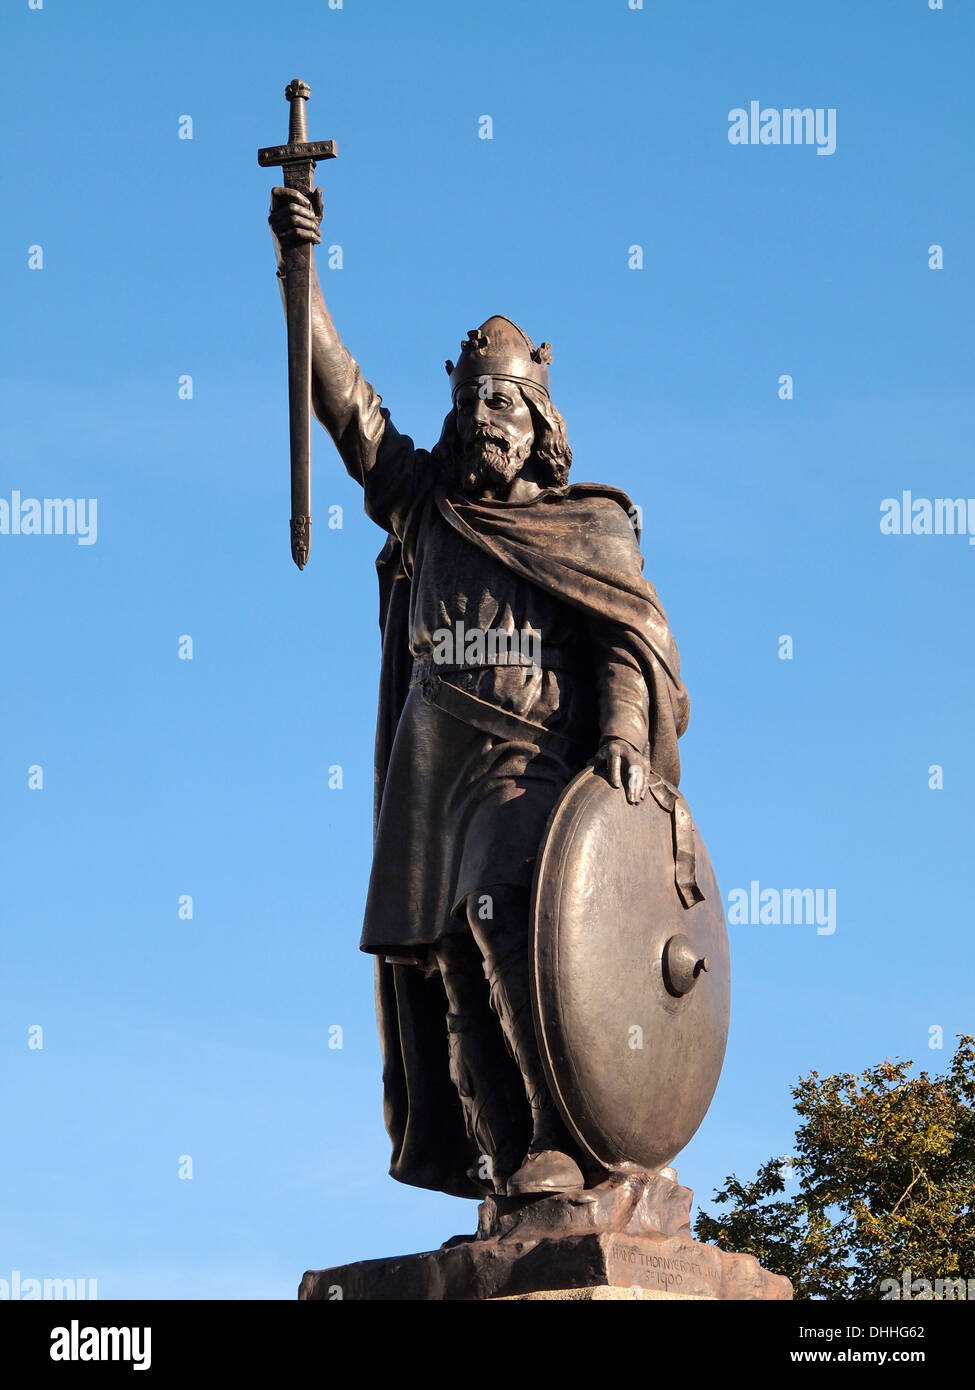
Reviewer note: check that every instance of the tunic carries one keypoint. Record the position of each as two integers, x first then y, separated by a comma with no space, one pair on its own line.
464,806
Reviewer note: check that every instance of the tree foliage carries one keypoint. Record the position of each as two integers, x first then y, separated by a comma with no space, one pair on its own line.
885,1166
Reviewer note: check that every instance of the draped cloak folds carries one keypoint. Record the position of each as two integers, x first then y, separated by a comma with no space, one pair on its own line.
578,544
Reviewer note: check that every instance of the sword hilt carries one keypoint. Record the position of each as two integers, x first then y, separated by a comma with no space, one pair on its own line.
297,93
299,155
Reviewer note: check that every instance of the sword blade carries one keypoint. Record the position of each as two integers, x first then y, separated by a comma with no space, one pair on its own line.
297,266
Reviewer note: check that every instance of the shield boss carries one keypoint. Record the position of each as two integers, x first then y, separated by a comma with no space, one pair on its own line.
630,989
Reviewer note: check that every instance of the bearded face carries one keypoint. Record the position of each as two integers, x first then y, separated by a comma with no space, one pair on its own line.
495,432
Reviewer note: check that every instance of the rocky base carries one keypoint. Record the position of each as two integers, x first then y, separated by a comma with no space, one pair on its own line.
627,1239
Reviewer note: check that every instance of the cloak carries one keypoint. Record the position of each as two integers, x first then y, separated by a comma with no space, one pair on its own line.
577,543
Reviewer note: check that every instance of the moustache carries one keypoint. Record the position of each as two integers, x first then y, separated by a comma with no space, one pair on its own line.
488,436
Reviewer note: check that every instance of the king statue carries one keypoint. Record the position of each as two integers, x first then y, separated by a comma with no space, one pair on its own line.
523,654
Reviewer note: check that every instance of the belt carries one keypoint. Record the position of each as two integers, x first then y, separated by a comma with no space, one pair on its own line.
555,662
503,724
484,716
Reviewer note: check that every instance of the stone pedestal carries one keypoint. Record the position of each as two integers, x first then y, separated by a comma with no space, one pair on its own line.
627,1239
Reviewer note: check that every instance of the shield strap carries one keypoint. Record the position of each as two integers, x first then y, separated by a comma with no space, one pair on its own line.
669,799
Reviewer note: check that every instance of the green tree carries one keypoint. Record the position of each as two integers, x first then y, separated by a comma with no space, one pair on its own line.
885,1165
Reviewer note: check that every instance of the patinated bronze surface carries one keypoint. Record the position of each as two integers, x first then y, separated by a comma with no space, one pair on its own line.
521,646
297,159
630,953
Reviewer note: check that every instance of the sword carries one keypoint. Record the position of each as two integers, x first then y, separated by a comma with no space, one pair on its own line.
297,159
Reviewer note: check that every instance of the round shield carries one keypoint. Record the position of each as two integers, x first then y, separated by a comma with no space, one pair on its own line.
631,988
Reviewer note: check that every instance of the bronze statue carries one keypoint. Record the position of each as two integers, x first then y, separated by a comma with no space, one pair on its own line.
548,1025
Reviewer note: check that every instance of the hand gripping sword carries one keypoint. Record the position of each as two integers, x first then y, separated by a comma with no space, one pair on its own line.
297,159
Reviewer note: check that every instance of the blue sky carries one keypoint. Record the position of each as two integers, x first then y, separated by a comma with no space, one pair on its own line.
161,777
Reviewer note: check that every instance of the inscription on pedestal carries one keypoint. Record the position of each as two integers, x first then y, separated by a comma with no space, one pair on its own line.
672,1272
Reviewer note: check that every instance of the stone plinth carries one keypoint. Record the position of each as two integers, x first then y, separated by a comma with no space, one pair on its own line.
628,1239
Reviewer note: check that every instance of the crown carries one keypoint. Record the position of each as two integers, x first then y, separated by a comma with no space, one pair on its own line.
499,348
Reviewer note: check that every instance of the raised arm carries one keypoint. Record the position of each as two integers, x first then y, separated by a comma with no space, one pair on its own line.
384,461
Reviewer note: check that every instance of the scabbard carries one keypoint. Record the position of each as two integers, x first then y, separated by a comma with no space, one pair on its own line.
297,295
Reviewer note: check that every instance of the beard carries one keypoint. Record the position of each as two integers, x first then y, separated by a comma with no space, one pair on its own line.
491,461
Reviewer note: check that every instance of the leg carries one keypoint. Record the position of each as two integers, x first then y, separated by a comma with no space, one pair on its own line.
492,1122
502,938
